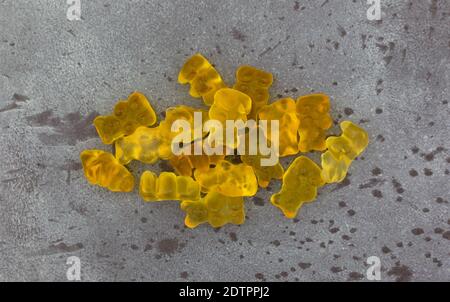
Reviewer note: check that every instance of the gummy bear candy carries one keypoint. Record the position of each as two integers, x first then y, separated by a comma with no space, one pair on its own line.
168,186
300,183
342,150
228,179
128,115
313,113
186,113
150,144
255,83
263,173
145,145
230,104
101,168
214,208
282,110
203,77
185,164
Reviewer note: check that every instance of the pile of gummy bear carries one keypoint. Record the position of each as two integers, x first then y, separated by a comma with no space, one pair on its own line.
211,188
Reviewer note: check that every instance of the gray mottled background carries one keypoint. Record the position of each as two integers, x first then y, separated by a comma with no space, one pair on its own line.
391,76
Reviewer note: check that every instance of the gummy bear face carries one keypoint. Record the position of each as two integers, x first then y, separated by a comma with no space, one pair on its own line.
127,116
203,77
230,104
254,77
192,68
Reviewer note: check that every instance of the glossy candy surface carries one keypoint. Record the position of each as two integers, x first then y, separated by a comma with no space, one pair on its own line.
342,150
203,78
168,186
255,83
127,117
300,183
215,209
313,114
101,168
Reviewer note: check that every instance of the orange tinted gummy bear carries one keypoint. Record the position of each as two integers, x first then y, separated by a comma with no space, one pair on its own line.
203,77
300,183
168,186
127,116
313,113
255,83
228,179
282,110
214,208
101,168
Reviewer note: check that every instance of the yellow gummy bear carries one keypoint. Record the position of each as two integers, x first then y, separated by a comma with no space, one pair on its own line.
186,113
228,179
168,186
145,145
313,113
185,164
230,104
264,174
214,208
150,144
101,168
127,116
282,110
342,150
255,83
300,183
203,77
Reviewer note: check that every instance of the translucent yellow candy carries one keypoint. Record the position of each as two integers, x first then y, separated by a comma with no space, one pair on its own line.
230,104
203,77
185,164
185,113
168,186
284,111
342,150
313,113
101,168
228,179
255,83
145,145
127,116
214,208
150,144
300,183
264,174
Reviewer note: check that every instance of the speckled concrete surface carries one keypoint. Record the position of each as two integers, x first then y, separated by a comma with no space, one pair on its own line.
391,76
